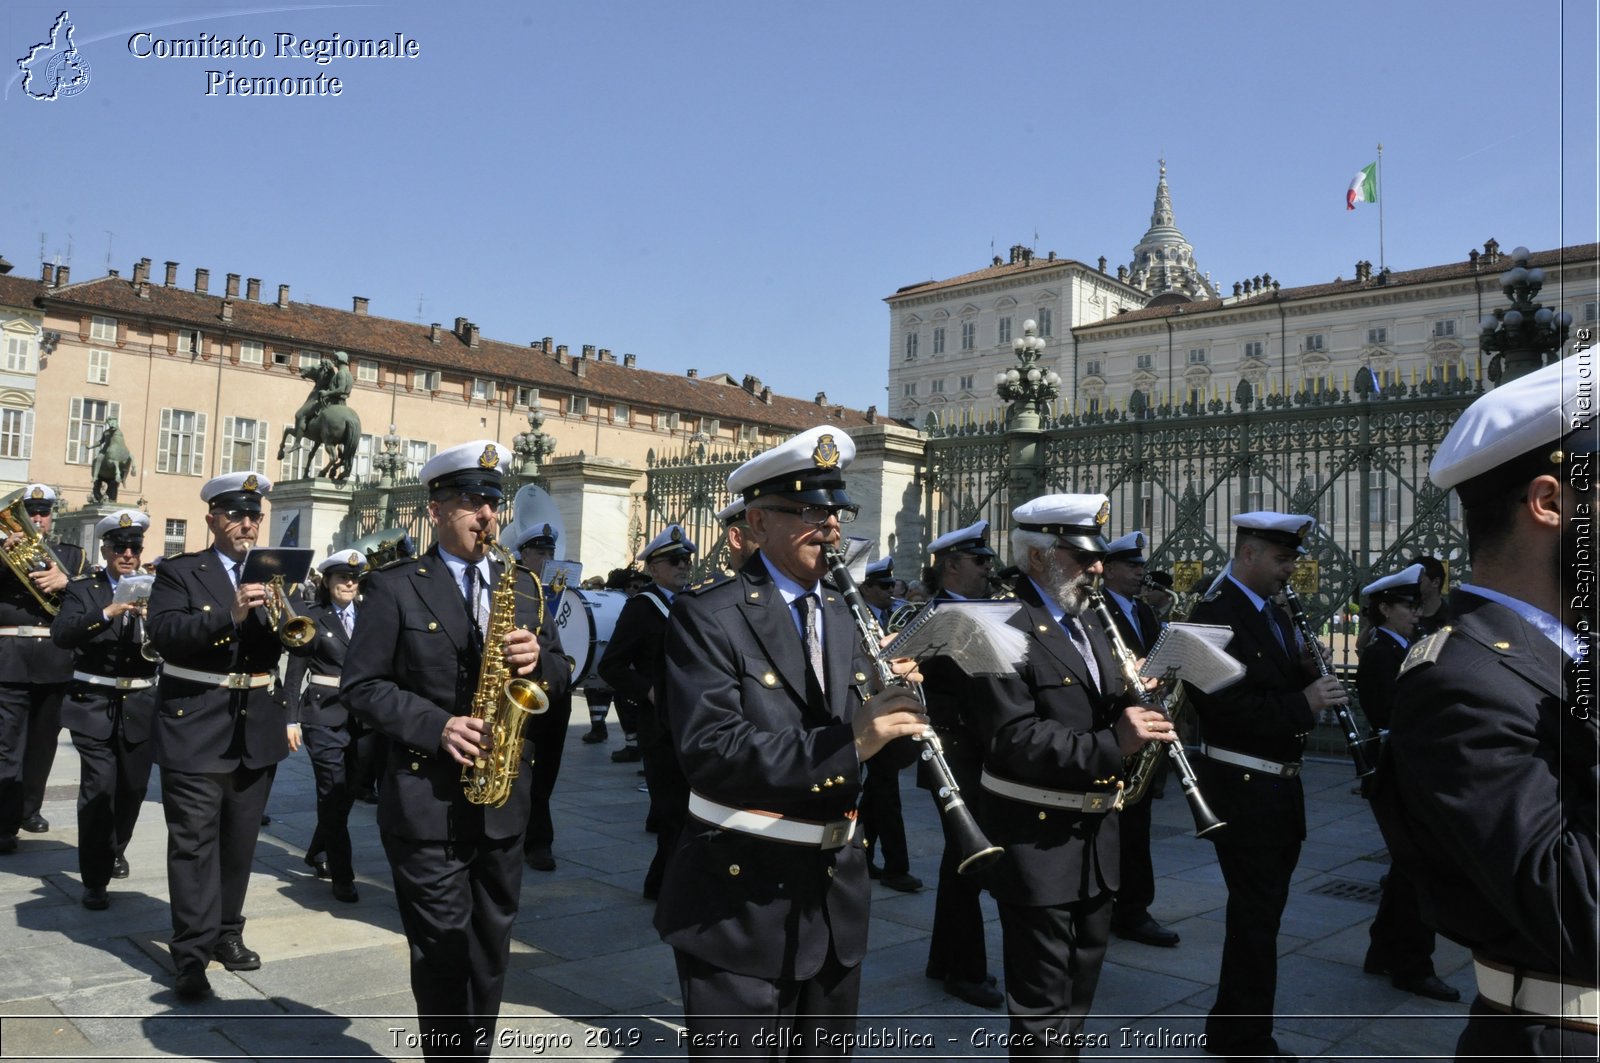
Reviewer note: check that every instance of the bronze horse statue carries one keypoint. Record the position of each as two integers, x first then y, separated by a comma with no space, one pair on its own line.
113,463
334,426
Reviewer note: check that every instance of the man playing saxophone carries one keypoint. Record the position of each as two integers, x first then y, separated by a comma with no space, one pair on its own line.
412,673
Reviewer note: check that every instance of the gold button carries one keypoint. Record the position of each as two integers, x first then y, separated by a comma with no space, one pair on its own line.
861,677
433,625
733,869
1041,815
839,779
180,712
1066,680
1246,776
754,595
830,872
1502,645
1044,627
415,765
422,570
769,679
205,608
815,788
827,782
244,712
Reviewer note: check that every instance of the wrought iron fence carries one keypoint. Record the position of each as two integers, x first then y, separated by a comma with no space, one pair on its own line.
405,505
689,489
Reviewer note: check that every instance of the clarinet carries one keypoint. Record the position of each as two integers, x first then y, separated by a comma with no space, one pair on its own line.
1352,734
976,851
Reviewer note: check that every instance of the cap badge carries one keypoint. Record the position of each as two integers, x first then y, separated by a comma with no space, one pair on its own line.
353,559
1305,529
38,492
677,534
549,532
490,458
1104,514
250,483
826,456
125,521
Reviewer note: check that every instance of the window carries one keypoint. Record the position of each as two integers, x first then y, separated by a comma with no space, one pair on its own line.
174,538
1254,349
969,335
1443,329
712,427
191,342
99,367
282,357
911,346
668,422
1377,337
482,389
103,329
1046,319
1440,373
16,433
620,413
293,465
1314,342
244,445
909,390
417,452
527,396
938,339
749,433
1197,397
1091,367
1145,362
1197,356
19,354
937,387
426,380
1003,330
965,383
181,442
578,406
85,420
1383,504
361,467
251,352
1258,493
1591,311
366,371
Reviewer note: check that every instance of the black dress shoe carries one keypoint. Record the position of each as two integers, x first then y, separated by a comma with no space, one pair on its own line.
192,984
540,859
320,867
1148,932
596,734
36,824
902,881
96,900
368,797
1372,966
626,755
1429,985
119,867
978,994
8,843
874,872
345,891
231,953
265,820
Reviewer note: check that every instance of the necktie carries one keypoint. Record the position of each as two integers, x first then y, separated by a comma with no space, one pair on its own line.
807,604
471,602
1271,616
233,574
1085,650
347,614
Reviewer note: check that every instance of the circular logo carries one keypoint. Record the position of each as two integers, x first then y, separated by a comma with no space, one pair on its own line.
67,73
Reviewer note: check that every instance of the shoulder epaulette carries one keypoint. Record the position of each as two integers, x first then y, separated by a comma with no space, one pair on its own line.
709,582
84,576
1211,595
1425,651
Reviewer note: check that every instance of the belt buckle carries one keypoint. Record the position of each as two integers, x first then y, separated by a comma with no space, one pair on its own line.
1291,770
238,681
835,835
1095,802
124,683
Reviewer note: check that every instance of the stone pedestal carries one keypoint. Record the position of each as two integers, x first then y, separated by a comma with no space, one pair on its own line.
593,495
320,506
77,527
885,481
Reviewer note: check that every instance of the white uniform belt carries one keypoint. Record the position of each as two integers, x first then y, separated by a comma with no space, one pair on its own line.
231,680
25,632
125,682
1035,795
1572,1004
772,826
1287,769
323,680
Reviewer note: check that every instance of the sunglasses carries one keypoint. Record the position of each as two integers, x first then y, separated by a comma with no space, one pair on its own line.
239,516
817,516
676,559
1084,558
126,548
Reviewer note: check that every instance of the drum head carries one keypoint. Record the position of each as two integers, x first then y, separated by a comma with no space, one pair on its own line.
585,620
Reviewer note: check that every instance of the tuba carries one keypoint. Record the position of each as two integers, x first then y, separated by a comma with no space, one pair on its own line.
501,699
383,548
30,552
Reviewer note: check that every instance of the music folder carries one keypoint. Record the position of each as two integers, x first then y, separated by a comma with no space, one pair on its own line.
1195,653
262,563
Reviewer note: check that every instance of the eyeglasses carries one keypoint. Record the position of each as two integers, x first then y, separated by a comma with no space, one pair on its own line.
675,559
1084,558
471,500
239,516
817,516
134,548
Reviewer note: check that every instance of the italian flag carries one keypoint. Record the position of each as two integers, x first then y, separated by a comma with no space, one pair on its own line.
1363,187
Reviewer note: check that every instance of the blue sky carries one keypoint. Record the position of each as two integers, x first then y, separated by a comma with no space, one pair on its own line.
737,186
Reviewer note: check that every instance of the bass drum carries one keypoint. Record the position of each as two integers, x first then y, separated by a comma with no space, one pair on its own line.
585,620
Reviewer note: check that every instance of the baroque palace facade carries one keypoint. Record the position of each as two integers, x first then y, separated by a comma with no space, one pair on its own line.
204,382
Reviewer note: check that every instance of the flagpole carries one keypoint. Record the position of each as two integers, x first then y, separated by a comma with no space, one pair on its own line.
1382,195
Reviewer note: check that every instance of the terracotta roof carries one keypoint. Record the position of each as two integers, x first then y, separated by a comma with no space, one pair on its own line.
1006,269
19,291
305,325
1428,274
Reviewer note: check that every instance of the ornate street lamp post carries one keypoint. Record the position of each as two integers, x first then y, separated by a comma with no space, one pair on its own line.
1030,389
533,446
1522,336
389,462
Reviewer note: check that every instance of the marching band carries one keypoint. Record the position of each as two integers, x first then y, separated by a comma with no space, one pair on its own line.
767,709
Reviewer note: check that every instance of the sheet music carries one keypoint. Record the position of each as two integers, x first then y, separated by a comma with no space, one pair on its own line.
1195,653
132,589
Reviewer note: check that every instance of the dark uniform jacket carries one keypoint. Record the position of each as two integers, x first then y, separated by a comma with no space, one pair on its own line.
949,692
633,659
314,703
102,648
1050,728
1487,792
33,659
201,727
1375,678
1148,625
751,733
410,668
1265,714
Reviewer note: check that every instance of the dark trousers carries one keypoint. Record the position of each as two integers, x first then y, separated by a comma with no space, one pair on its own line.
1053,957
1138,876
113,777
457,902
1492,1034
1402,943
882,823
333,761
212,823
728,1015
669,807
956,947
30,720
548,737
370,753
1258,889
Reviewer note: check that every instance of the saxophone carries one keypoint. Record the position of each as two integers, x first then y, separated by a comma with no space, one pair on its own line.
504,701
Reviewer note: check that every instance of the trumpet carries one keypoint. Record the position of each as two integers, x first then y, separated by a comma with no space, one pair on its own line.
1352,734
141,601
293,629
1140,768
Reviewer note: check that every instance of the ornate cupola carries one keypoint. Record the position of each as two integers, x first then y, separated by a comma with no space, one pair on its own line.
1163,262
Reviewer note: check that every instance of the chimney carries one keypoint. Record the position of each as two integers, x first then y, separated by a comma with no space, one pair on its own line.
227,310
607,356
822,398
144,289
47,274
472,334
141,271
172,274
283,297
766,395
113,273
232,289
434,334
63,273
580,367
252,289
561,354
752,383
1472,256
548,344
693,374
629,361
359,305
1122,274
1102,261
588,350
202,280
872,411
1052,258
